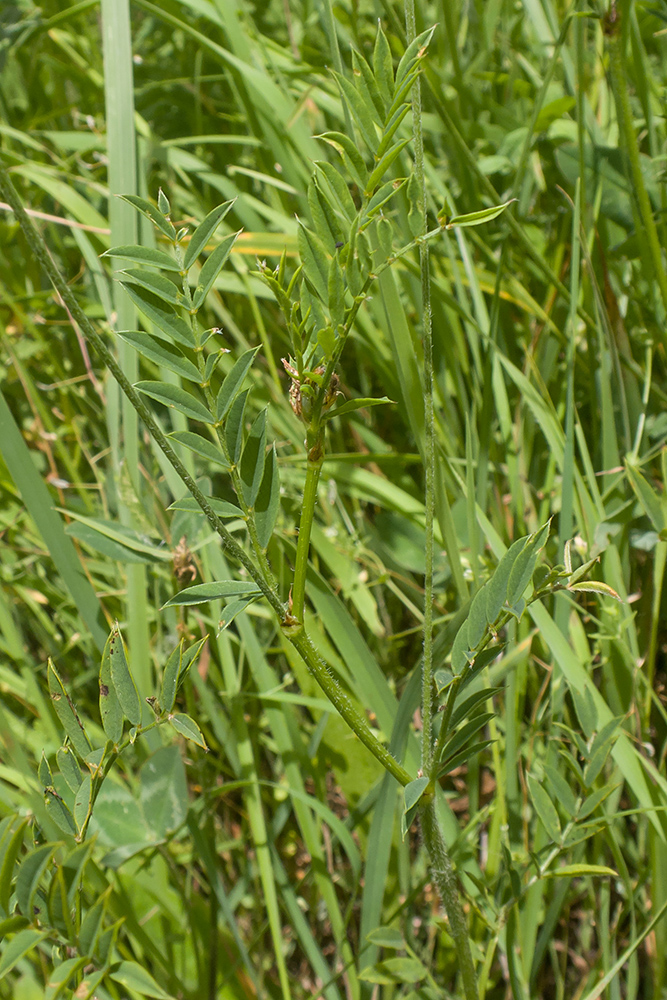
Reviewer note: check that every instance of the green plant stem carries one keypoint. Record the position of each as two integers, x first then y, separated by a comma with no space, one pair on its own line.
355,720
308,502
429,422
445,879
619,84
298,637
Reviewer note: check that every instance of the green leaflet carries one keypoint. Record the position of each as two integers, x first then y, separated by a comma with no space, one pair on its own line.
652,503
383,66
351,156
576,871
544,808
176,398
176,667
363,112
232,383
152,213
156,350
368,87
414,52
338,188
383,166
157,284
233,609
188,728
110,708
162,315
29,874
221,507
477,218
327,226
524,565
204,232
69,767
253,459
336,293
144,255
234,427
496,588
203,592
132,976
201,446
314,260
267,502
20,946
211,269
126,689
67,713
356,404
11,847
412,794
59,811
386,937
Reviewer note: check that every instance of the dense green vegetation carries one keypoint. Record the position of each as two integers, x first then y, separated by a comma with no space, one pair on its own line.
244,841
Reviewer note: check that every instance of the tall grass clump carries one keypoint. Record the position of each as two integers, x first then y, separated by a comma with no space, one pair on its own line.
333,464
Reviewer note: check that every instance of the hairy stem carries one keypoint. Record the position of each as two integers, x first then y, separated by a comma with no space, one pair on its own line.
343,704
445,879
308,502
429,425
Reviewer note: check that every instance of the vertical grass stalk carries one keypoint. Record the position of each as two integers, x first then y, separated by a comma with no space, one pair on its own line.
619,84
122,417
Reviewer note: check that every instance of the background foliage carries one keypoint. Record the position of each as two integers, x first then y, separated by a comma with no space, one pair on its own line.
261,867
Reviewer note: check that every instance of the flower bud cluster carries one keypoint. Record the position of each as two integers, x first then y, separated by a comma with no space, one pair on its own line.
303,390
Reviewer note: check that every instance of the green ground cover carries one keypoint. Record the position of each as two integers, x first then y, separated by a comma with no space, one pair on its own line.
245,841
